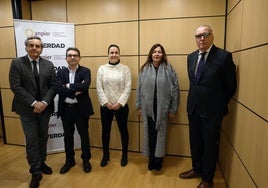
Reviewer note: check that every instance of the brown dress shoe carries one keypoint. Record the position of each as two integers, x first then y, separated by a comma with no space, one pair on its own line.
189,174
205,184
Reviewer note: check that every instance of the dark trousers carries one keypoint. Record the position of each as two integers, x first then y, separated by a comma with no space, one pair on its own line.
204,138
121,116
152,141
70,118
35,130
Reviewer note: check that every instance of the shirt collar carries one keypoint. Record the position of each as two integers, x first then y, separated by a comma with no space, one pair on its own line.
208,50
74,69
37,60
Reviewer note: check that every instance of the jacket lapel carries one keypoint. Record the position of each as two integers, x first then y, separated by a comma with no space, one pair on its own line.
208,62
29,69
192,65
41,70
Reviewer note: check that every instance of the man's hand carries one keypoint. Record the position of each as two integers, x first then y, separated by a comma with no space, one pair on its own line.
39,107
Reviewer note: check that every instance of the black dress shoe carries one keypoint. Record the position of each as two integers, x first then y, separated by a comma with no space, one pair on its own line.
124,161
86,166
66,167
35,181
104,161
151,165
158,165
45,169
158,161
189,174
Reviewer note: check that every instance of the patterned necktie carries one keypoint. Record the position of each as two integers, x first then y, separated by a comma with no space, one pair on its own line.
36,77
200,66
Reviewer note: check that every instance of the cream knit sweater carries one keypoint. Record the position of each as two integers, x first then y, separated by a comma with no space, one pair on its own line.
113,84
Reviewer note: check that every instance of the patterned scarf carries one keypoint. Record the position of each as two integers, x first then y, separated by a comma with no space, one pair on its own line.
161,79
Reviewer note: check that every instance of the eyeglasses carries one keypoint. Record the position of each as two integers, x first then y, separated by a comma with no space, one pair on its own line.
72,56
205,35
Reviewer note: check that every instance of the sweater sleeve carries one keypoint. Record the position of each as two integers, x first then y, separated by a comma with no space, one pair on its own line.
99,84
126,89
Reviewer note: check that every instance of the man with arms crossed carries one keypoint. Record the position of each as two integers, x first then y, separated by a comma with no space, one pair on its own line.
74,107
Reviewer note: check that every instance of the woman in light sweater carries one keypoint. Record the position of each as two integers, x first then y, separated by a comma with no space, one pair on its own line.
157,100
113,90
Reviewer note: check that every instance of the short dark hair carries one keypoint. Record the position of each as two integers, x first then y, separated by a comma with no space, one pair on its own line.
26,42
74,49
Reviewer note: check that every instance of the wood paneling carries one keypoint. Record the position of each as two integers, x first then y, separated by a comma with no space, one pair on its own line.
243,156
7,97
177,35
4,71
231,4
178,140
49,10
234,29
98,37
26,9
255,24
245,132
150,9
233,169
86,11
253,88
6,14
6,45
253,153
14,132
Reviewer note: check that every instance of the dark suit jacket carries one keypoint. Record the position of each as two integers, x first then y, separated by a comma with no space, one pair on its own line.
22,83
81,83
216,86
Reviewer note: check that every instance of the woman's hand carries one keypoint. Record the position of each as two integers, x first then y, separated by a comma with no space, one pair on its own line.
171,115
139,111
116,106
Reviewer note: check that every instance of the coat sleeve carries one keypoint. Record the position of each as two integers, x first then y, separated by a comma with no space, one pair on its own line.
229,77
138,92
16,80
82,80
175,92
60,85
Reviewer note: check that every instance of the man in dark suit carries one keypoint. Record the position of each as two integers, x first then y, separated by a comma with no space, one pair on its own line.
74,107
31,79
212,78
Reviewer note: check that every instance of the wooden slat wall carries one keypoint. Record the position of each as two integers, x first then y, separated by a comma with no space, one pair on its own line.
244,154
